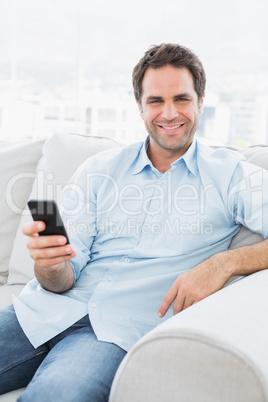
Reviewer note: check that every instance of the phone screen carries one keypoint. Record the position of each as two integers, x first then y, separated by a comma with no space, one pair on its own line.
48,212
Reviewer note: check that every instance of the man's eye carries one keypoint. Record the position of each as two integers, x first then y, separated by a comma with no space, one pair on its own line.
155,101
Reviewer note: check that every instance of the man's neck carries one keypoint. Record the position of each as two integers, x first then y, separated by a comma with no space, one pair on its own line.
163,158
161,162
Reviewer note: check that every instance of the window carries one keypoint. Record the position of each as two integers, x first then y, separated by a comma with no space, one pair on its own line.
88,115
71,113
67,64
107,115
52,113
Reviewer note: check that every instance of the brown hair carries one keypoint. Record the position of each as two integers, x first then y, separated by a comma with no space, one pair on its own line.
169,54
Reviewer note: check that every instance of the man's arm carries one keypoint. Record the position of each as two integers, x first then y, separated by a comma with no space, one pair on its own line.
212,274
51,255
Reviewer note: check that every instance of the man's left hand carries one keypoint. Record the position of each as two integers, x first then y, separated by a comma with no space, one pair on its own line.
196,284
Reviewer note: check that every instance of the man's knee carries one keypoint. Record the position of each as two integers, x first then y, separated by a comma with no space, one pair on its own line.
18,358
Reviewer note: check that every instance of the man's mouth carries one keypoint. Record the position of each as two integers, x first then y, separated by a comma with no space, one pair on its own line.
171,127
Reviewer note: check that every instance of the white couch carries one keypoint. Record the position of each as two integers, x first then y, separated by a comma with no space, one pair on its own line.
215,351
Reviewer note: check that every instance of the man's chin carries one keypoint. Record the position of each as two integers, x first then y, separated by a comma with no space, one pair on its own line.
175,144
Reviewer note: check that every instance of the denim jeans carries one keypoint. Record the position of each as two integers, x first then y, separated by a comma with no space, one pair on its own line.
73,366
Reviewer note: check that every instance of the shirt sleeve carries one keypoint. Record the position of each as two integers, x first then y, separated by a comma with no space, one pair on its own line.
78,211
248,197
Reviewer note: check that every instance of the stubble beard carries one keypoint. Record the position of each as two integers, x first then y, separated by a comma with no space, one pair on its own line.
177,143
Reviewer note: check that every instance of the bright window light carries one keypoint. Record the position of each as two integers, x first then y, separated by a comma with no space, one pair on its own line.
66,65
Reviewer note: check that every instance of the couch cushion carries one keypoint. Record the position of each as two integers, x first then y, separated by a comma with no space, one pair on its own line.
257,154
62,154
11,396
6,293
18,162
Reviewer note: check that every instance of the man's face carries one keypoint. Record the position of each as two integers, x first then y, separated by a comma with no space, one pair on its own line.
170,109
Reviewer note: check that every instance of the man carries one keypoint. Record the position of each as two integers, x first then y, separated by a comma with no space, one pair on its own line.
159,218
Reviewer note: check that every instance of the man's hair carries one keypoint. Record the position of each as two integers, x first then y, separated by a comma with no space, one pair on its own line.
168,54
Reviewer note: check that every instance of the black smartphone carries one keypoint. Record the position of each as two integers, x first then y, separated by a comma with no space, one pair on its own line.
48,212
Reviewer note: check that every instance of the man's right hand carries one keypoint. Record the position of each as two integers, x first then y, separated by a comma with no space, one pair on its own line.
51,255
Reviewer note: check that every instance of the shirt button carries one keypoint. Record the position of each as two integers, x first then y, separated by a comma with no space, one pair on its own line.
110,278
127,259
93,305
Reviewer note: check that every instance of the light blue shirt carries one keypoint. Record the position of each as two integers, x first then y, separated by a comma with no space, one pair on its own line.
135,230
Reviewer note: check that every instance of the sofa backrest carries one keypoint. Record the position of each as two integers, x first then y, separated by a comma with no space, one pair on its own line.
258,155
17,172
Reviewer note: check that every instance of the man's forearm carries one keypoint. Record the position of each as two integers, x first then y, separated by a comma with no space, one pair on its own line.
55,280
246,260
212,274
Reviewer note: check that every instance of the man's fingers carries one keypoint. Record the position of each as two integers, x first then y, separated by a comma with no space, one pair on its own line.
50,257
50,252
179,305
52,263
40,242
33,228
167,301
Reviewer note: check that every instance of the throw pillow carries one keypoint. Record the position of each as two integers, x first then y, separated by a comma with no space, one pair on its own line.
18,162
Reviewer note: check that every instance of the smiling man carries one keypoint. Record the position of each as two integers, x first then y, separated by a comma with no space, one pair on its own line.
170,108
175,213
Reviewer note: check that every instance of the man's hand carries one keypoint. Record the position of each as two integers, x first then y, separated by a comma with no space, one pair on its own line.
212,274
196,284
51,255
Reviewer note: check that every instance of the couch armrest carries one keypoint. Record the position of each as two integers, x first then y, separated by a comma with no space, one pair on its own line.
6,292
216,350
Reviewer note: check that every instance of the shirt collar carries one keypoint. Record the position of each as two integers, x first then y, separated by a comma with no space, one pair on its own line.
142,160
189,158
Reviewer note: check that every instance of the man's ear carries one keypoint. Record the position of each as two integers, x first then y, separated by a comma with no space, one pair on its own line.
201,104
140,109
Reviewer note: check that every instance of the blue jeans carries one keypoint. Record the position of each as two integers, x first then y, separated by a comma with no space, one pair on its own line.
73,366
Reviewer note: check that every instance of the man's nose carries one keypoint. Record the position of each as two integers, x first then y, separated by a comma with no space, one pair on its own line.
169,111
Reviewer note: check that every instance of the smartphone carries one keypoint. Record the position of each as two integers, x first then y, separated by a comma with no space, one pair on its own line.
48,212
